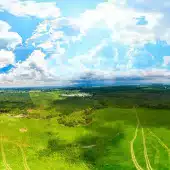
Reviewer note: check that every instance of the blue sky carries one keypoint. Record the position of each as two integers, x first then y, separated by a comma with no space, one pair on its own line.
61,42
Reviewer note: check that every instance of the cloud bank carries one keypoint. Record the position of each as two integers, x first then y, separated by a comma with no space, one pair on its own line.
116,41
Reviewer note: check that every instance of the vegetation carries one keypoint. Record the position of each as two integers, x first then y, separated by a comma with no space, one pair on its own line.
112,128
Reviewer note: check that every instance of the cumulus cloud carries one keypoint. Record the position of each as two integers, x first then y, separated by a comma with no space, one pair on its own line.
8,42
31,71
51,64
34,67
50,35
30,8
166,60
116,55
122,22
8,39
34,71
92,58
122,18
6,58
4,26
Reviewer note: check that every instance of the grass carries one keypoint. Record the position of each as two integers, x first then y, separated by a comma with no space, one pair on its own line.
84,133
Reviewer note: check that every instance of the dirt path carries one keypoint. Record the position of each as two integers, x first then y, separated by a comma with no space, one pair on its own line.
24,158
138,167
161,143
26,167
148,165
7,167
157,155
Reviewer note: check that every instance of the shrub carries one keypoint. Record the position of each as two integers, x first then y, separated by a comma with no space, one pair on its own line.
74,119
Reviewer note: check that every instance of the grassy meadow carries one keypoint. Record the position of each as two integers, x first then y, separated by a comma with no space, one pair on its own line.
110,128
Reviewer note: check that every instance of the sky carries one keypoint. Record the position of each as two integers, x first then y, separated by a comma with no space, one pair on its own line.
66,42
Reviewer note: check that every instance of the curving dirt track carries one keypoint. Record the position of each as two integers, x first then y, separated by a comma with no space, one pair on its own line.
135,162
7,167
148,165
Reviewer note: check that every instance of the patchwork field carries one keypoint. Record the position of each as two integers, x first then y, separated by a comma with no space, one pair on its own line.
113,128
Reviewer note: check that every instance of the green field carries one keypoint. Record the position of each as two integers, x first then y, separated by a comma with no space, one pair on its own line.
110,128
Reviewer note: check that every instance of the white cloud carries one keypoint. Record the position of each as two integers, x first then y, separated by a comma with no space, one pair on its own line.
116,55
166,60
91,58
6,58
34,71
30,8
34,67
122,21
50,37
46,45
4,26
53,36
8,39
31,71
